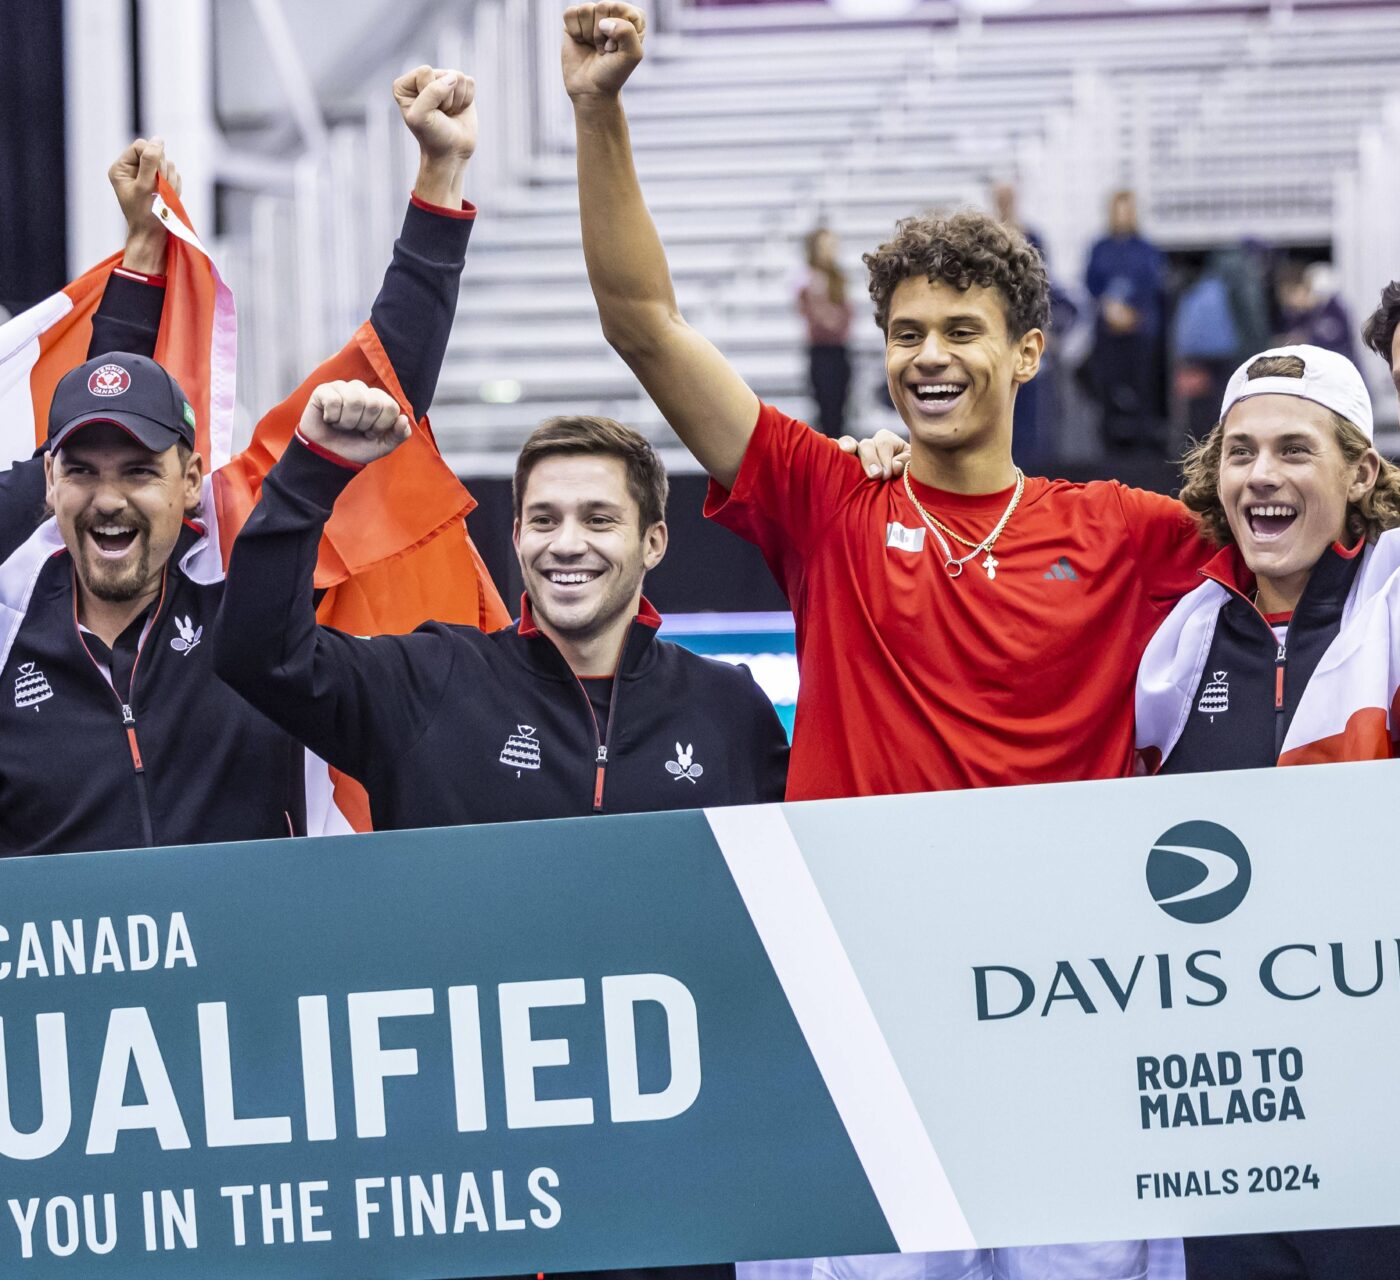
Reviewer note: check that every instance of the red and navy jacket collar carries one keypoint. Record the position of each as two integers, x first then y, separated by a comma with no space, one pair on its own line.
1329,582
1228,568
544,655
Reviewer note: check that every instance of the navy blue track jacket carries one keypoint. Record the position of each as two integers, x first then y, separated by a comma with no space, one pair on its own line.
449,726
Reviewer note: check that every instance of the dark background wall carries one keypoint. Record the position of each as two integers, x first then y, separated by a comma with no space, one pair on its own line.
33,240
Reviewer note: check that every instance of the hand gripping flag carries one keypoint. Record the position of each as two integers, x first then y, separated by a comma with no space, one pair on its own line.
396,551
198,343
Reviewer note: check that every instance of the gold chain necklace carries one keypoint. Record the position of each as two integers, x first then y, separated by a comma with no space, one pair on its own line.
935,525
930,518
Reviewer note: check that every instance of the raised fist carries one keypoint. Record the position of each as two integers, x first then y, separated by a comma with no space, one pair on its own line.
439,108
353,421
602,45
133,177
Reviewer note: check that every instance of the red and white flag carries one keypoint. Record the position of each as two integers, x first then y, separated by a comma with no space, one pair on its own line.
198,343
1350,709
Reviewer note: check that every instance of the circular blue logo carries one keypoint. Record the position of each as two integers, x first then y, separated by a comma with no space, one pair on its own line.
1198,872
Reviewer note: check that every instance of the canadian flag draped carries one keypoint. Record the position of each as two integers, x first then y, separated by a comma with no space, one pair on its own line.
1350,709
396,550
198,343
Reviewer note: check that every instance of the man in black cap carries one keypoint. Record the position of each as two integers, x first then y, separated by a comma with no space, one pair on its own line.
114,731
122,477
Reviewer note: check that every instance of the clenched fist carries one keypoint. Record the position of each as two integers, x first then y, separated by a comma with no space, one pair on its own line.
439,108
602,45
353,421
133,177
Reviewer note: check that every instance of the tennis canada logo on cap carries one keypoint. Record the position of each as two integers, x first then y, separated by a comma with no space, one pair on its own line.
1198,872
109,380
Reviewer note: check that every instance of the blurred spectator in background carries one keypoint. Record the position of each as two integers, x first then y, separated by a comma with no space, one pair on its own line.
1204,341
1126,278
1246,271
1312,310
1004,206
1033,423
826,311
1219,318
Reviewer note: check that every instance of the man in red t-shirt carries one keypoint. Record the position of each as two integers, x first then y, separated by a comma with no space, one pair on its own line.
968,627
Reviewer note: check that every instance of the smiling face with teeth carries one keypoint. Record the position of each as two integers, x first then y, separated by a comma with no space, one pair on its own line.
583,554
119,508
1285,487
953,369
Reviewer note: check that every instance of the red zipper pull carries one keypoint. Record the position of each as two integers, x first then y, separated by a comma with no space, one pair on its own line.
598,778
129,720
1278,678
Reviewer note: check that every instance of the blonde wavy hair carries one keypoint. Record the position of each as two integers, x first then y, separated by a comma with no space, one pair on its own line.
1377,510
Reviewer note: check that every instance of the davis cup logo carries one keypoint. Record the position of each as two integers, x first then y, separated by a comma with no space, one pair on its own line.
109,380
1198,872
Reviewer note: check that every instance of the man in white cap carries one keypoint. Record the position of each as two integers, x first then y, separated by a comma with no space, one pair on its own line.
1292,489
1287,654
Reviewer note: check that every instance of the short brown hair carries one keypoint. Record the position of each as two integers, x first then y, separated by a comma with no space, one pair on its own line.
1378,332
1377,510
964,249
583,434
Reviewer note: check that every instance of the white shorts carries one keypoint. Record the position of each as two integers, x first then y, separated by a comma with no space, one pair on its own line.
1116,1260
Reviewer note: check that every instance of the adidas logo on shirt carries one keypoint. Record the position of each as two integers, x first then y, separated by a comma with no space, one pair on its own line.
1061,571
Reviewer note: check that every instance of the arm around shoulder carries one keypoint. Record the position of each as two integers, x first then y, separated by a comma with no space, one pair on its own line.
1168,543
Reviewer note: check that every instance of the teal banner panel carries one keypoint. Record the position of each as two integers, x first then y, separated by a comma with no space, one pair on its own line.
503,1050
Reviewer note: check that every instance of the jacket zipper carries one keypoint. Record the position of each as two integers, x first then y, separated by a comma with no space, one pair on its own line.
600,759
603,746
1280,662
143,799
138,765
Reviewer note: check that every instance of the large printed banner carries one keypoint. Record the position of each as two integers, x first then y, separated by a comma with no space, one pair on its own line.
1091,1011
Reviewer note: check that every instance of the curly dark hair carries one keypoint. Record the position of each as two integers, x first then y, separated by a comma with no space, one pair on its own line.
964,249
1378,332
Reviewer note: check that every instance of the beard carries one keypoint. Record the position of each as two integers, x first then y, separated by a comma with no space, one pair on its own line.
116,582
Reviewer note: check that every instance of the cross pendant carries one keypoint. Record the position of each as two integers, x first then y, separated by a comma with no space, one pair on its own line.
990,565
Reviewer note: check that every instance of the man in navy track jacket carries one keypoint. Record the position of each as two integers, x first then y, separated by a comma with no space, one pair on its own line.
577,709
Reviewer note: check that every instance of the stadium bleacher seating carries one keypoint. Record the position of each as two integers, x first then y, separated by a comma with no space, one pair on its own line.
1228,124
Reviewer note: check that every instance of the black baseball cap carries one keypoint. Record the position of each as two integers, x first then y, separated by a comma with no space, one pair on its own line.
131,392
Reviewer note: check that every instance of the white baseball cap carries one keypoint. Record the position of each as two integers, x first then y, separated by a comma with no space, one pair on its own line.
1329,379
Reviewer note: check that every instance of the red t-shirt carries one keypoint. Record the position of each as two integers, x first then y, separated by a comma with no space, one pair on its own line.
913,680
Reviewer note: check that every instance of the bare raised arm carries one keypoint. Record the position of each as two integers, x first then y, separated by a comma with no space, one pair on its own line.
704,399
